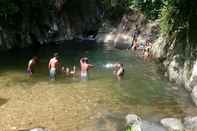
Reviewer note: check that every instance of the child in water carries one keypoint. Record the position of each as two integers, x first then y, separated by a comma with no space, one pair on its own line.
118,70
73,72
69,72
31,65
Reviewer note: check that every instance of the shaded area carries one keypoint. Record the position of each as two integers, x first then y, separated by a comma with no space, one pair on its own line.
3,101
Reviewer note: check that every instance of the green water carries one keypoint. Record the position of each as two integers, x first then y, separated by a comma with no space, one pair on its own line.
142,90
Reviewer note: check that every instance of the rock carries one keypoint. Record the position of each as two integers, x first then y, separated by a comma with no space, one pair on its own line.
190,123
39,129
158,48
175,88
193,78
122,41
110,121
175,71
132,118
193,82
134,121
150,126
35,129
172,124
141,125
194,95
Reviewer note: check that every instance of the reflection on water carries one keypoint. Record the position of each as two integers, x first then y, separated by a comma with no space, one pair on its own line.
69,103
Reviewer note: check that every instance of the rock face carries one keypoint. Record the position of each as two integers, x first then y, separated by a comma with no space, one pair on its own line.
190,123
121,34
158,48
175,66
172,124
63,21
194,95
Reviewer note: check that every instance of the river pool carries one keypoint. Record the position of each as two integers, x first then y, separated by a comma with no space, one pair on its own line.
69,104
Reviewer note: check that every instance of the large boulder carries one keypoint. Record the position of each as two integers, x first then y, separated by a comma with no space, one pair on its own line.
172,124
109,121
190,123
122,41
137,124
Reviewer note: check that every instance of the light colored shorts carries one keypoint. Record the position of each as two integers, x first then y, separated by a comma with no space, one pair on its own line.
84,76
52,74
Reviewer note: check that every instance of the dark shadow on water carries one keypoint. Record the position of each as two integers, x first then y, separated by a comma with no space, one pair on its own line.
111,121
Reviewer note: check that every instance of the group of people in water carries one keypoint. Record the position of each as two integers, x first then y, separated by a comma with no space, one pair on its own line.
145,46
55,67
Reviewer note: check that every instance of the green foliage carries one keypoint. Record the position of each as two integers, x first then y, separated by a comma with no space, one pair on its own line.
151,8
178,23
14,12
175,16
7,8
129,128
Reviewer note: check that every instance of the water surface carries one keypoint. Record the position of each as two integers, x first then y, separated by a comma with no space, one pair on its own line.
71,104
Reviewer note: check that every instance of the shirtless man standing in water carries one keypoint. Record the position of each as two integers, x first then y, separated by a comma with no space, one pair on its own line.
85,66
53,66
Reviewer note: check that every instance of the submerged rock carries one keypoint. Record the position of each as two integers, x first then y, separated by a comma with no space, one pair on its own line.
35,129
173,124
150,126
137,124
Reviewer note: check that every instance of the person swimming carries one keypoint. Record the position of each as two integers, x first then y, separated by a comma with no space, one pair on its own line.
73,71
118,70
68,71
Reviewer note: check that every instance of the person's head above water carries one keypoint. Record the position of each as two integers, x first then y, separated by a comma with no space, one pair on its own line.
35,58
55,55
85,60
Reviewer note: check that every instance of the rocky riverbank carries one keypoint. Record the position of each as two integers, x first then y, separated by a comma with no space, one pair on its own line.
169,124
176,67
120,35
170,54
